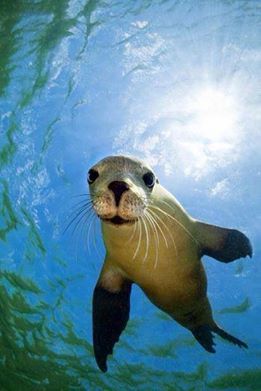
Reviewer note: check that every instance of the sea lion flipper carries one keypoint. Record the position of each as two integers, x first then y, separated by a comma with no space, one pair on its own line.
110,316
204,335
223,334
223,244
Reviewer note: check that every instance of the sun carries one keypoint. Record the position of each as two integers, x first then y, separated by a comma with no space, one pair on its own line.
213,115
210,132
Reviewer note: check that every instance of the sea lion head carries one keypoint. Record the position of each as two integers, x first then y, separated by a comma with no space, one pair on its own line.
120,188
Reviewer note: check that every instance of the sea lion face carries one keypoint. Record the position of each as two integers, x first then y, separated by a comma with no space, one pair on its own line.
120,189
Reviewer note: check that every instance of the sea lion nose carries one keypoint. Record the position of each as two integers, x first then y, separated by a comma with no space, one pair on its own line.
118,188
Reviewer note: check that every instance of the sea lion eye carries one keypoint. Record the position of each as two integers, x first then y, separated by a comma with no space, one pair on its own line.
149,179
92,176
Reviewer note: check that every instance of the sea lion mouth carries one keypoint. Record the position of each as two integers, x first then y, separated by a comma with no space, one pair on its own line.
117,220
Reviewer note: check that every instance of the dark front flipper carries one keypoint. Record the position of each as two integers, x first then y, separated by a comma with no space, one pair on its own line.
223,244
110,316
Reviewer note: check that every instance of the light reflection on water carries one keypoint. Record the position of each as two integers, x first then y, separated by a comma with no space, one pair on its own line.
83,79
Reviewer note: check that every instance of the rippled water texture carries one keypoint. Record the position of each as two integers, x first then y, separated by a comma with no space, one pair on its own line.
175,82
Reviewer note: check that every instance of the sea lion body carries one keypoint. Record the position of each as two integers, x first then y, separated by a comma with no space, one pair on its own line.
177,281
152,241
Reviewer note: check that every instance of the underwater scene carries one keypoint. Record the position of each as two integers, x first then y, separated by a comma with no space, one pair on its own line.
175,83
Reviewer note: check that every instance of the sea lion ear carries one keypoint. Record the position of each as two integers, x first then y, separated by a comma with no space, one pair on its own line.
223,244
111,308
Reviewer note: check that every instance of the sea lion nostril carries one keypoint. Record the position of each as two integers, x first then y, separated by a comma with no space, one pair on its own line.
118,188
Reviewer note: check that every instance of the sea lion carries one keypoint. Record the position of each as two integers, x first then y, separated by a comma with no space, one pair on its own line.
152,241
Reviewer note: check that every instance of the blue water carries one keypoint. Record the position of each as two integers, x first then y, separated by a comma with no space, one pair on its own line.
172,82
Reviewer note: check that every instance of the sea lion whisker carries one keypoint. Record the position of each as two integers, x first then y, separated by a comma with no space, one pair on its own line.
78,215
81,195
159,227
76,208
147,217
143,220
178,222
139,241
92,218
94,239
156,238
78,222
72,221
87,194
79,209
78,228
166,203
85,226
81,226
78,204
133,233
167,228
96,195
80,235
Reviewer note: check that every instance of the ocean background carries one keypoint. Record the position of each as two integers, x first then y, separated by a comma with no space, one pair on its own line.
176,83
